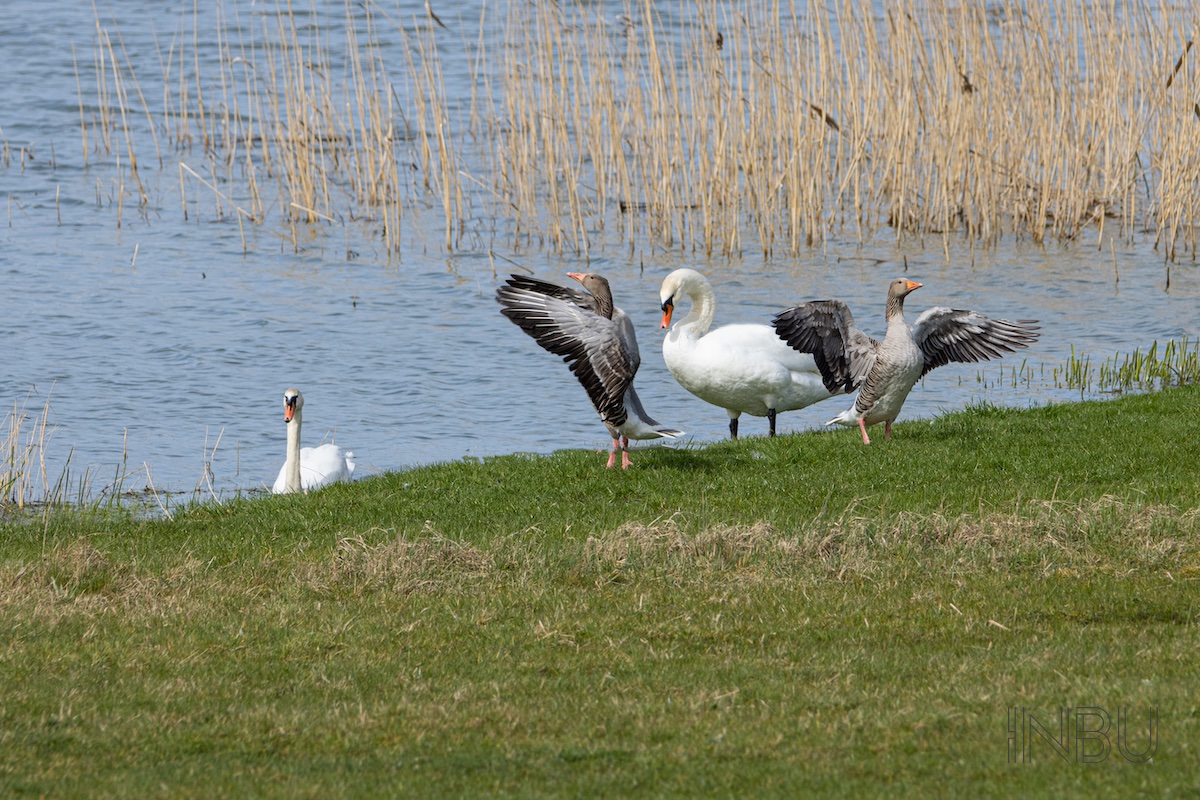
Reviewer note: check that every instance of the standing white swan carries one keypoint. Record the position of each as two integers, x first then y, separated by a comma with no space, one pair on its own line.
744,368
309,467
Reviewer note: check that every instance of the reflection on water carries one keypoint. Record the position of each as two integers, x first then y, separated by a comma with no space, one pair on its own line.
160,336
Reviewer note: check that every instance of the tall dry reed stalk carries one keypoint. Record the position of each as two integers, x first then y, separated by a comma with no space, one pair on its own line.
23,472
713,127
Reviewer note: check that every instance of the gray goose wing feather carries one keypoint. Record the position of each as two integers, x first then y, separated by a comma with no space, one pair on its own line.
564,323
825,330
628,339
947,334
569,294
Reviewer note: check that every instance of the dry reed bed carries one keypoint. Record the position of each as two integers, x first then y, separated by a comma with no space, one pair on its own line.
713,127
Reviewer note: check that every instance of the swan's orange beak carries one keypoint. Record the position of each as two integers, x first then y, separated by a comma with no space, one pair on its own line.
914,285
668,308
289,410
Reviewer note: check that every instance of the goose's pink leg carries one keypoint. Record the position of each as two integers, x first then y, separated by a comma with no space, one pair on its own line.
862,426
612,456
887,431
624,452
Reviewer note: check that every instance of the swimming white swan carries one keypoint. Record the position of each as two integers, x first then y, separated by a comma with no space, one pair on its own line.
744,368
598,342
886,371
309,467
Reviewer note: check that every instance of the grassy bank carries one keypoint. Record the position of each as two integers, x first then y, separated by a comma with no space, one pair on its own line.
767,617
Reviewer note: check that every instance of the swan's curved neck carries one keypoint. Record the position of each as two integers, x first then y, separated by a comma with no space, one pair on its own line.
291,471
704,308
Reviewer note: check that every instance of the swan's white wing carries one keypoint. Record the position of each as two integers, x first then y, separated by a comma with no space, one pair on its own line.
281,482
825,329
321,466
591,344
947,334
742,342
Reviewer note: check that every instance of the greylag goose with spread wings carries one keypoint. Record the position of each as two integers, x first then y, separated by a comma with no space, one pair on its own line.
596,339
884,372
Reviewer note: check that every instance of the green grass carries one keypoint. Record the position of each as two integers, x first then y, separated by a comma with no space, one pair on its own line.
762,618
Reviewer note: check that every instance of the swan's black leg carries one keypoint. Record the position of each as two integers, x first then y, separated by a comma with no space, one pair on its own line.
733,427
771,419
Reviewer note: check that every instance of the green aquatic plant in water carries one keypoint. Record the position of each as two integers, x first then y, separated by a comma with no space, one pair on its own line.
1178,364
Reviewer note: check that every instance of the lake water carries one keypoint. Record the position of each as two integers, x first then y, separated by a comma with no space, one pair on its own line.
161,343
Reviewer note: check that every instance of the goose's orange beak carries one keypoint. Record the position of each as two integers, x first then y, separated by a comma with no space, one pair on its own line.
914,285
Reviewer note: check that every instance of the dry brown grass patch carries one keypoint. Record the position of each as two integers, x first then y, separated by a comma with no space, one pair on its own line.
1108,534
1083,534
721,545
400,566
75,578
